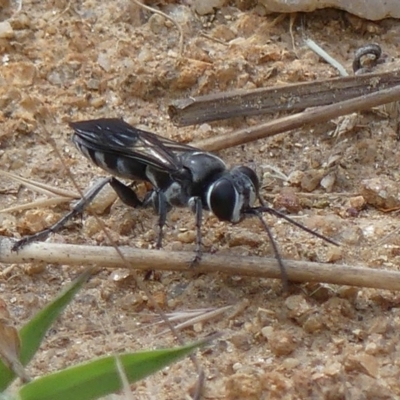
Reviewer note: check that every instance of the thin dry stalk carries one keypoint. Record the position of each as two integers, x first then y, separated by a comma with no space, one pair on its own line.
201,318
37,204
137,259
40,187
270,100
313,116
323,54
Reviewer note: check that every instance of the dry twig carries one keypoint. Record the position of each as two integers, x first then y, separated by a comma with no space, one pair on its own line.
313,116
294,97
261,267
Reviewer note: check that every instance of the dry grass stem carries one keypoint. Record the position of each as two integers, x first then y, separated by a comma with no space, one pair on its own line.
312,116
200,318
329,59
37,204
40,187
270,100
137,259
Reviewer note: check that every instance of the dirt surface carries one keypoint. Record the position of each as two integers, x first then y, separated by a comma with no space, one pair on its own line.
63,61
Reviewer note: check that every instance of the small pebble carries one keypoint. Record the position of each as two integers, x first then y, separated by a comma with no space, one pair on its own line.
381,192
203,7
6,30
358,202
281,342
287,199
364,363
241,341
312,179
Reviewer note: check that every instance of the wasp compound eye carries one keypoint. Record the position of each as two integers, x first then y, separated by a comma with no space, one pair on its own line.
250,174
222,199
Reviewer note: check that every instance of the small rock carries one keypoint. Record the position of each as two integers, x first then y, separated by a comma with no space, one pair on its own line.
313,324
187,237
295,178
198,327
93,84
379,325
281,343
327,225
333,369
97,102
104,61
319,291
378,345
91,226
36,220
351,235
224,33
381,192
348,292
6,30
245,238
328,181
131,301
19,74
297,306
157,24
103,201
288,200
290,363
364,363
20,21
120,274
267,331
241,341
357,202
244,385
371,348
203,7
333,254
312,179
352,212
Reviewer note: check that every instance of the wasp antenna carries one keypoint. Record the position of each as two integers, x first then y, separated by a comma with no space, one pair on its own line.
285,279
292,221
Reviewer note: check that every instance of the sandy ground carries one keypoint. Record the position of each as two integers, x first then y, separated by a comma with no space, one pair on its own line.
64,61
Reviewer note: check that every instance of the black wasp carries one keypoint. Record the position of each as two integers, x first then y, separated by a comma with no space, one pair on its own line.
180,175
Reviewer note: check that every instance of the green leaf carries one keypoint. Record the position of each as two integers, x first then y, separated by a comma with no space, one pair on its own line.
33,332
100,377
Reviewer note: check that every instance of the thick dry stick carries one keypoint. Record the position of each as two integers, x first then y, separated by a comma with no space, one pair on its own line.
314,116
297,271
292,97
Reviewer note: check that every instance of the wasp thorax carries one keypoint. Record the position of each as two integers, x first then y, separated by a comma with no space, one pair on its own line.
202,165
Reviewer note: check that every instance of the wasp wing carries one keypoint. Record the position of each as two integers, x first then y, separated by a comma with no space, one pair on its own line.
114,136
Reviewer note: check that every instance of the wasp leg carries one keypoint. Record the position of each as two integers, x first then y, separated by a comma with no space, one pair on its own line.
161,208
154,197
126,194
284,276
77,209
198,211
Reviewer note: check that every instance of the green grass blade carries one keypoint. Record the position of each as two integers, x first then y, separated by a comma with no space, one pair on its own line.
33,332
100,377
